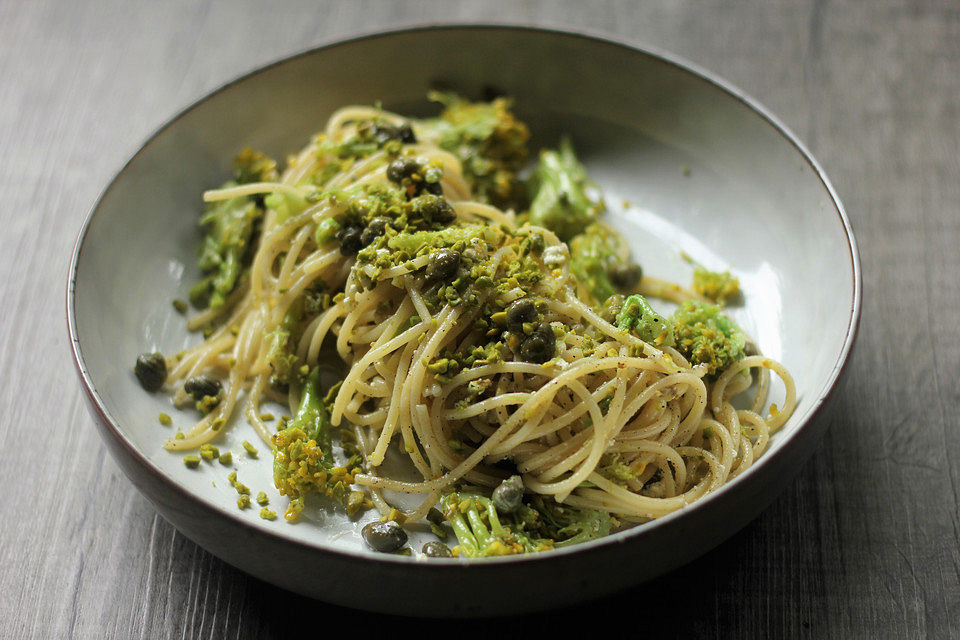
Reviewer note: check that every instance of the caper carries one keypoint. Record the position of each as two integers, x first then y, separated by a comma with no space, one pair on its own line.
520,312
405,134
151,370
202,386
384,536
625,276
436,549
508,496
383,132
540,346
350,243
443,265
402,168
434,208
435,516
374,230
442,212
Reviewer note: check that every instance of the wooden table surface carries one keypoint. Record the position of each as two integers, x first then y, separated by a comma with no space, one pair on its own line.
863,544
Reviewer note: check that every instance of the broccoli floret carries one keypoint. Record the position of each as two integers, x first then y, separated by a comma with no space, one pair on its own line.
638,316
616,470
719,287
303,454
489,141
704,335
563,198
254,166
482,530
230,225
599,259
568,525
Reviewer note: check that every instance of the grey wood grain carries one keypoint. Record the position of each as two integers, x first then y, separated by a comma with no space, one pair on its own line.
864,543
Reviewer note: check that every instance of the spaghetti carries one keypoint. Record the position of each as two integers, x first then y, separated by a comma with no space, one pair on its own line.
469,345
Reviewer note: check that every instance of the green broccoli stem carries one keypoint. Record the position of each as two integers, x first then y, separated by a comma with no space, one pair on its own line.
480,531
464,535
281,355
314,417
230,227
226,279
496,529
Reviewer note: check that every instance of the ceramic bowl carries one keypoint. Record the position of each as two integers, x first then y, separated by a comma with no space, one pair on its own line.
687,163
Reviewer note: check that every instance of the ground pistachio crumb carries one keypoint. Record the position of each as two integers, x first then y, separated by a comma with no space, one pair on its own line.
179,436
394,515
252,450
191,461
226,458
267,514
266,417
262,499
243,501
208,452
164,419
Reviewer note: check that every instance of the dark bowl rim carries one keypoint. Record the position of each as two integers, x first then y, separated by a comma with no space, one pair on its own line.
621,537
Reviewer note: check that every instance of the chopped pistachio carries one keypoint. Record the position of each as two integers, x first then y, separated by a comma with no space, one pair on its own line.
180,306
226,458
208,452
354,502
262,499
267,514
243,501
192,461
250,449
164,419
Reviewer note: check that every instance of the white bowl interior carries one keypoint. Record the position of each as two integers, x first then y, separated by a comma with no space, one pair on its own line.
750,202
